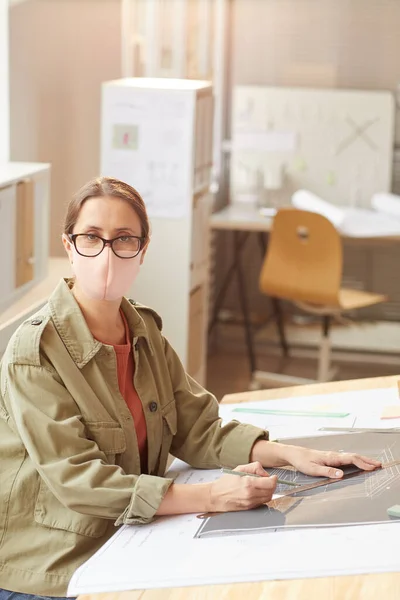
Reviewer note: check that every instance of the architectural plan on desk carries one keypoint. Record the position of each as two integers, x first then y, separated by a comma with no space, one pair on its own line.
363,498
146,556
168,552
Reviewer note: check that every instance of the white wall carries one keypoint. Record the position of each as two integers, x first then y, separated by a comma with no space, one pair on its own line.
60,53
4,87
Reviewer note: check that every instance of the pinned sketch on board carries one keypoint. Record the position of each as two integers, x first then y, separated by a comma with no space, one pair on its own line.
126,137
147,142
344,142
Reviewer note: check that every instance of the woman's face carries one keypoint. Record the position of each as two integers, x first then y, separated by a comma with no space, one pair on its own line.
108,218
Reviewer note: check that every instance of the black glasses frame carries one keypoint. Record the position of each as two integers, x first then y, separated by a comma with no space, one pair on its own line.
106,242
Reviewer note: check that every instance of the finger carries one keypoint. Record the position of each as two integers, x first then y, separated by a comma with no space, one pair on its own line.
266,483
362,462
336,459
323,471
254,468
256,497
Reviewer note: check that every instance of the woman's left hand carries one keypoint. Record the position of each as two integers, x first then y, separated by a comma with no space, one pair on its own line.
327,464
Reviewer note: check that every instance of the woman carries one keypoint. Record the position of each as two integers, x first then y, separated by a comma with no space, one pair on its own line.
93,398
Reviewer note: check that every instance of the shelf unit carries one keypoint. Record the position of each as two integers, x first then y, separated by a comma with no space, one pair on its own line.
24,228
157,136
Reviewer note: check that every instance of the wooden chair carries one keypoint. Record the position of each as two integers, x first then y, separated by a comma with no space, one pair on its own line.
303,264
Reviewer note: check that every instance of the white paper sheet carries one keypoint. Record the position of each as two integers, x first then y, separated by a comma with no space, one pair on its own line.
306,200
354,222
165,553
365,408
266,141
388,204
369,223
148,143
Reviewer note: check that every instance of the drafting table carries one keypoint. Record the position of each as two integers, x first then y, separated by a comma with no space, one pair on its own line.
367,587
243,220
247,218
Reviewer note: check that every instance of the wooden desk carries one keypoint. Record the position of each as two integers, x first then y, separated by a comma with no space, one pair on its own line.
243,217
365,587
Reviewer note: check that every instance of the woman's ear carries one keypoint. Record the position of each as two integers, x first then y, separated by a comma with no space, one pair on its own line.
68,246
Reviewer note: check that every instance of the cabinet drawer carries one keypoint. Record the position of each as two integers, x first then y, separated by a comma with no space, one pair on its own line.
7,243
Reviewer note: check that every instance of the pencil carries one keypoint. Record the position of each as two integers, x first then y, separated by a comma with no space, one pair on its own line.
244,474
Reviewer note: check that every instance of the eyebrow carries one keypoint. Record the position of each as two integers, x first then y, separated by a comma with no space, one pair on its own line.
118,230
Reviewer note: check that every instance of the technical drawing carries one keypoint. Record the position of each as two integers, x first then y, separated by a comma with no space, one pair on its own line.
363,498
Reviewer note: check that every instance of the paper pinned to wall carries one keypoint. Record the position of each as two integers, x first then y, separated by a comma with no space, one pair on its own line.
147,142
265,141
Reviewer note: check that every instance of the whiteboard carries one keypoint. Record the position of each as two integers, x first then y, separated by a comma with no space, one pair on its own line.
344,141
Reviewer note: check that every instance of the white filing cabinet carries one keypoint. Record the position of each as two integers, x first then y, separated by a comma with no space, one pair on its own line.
24,222
157,136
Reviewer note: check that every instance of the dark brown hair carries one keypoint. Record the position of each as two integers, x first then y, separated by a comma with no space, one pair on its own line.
107,186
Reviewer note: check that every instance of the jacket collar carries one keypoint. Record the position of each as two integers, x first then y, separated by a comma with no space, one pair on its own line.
73,329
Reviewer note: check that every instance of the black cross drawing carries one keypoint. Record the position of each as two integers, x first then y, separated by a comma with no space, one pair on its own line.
358,132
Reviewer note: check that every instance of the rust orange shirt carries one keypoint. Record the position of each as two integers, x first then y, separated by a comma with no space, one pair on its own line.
126,370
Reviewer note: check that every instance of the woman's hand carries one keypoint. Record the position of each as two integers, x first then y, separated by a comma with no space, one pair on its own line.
309,462
231,492
327,464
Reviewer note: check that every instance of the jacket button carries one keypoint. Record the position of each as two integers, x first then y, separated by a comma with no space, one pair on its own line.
37,322
153,406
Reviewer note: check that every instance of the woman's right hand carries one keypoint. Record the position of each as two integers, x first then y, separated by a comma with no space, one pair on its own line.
232,493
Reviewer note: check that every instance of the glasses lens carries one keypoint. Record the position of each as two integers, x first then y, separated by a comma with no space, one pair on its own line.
88,244
126,246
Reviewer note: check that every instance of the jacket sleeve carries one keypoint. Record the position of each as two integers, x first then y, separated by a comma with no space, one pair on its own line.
49,423
201,439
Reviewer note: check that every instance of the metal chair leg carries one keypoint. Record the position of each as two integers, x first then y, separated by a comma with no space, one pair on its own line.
225,284
325,351
281,326
276,305
243,302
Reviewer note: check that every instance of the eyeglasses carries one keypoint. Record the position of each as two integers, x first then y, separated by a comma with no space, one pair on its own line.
90,245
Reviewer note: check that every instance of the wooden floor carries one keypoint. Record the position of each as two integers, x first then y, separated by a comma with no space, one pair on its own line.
228,370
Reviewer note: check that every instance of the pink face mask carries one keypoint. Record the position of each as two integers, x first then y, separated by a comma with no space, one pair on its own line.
106,276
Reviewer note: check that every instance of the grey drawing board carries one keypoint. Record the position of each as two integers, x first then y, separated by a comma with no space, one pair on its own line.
363,498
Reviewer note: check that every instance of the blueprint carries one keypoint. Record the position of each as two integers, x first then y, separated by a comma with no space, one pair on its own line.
363,498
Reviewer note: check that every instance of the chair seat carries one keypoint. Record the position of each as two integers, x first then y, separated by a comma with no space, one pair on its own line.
348,299
352,299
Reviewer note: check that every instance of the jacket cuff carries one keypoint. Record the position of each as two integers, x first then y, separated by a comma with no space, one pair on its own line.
238,445
146,498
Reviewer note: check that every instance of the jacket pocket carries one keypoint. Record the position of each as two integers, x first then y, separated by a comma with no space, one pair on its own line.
170,418
169,429
109,437
49,512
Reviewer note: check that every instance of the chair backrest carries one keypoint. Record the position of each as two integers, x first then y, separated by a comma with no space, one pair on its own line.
303,260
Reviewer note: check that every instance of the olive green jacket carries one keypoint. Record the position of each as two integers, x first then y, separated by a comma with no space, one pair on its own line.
69,460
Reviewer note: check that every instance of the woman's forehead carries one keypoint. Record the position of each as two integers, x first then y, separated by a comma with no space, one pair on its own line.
108,211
